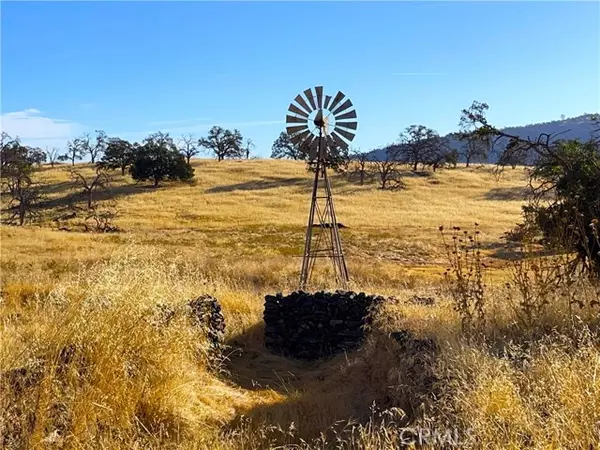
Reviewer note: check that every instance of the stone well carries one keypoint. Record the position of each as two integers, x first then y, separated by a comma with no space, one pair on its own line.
316,325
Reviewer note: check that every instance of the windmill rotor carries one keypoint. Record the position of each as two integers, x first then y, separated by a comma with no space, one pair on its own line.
314,118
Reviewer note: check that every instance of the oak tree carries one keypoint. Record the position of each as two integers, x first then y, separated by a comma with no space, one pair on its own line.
223,143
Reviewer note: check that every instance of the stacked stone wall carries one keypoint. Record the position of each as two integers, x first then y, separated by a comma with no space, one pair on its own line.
316,325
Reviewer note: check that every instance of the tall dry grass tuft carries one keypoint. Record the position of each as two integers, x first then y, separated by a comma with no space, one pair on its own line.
94,359
545,395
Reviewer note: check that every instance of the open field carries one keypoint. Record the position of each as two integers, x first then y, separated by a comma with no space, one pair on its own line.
236,233
254,213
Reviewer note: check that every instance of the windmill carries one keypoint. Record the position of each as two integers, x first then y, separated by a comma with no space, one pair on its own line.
321,124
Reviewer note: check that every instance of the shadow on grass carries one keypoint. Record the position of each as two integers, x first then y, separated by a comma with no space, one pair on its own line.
511,251
509,193
262,184
76,196
323,395
57,188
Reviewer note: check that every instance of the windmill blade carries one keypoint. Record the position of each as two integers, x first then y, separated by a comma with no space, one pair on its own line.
349,136
319,91
298,137
349,125
347,104
309,96
296,129
294,119
348,115
293,108
338,140
300,100
327,100
338,98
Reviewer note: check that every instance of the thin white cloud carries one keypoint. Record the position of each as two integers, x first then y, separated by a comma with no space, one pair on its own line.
37,130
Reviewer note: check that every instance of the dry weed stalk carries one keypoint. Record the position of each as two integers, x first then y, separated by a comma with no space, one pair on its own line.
465,276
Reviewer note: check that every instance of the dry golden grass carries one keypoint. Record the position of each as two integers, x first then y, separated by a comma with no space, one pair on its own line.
85,364
255,211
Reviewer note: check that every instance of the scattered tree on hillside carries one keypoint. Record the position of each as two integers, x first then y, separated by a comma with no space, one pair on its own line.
12,153
441,155
223,143
98,147
361,166
8,150
474,146
248,148
25,196
389,170
74,152
512,159
158,159
418,145
86,145
161,139
119,154
100,181
52,155
18,165
283,147
189,146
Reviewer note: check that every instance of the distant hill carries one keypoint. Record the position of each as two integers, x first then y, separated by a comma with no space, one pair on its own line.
579,127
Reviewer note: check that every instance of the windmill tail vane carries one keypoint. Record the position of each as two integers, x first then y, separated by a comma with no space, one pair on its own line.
319,124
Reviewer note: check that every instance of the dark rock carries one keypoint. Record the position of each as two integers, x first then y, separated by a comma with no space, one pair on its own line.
205,312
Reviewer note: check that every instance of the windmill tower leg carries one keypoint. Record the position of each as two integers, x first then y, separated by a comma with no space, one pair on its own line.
339,263
307,259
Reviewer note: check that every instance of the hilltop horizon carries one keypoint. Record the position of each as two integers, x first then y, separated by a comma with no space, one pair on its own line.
579,127
576,127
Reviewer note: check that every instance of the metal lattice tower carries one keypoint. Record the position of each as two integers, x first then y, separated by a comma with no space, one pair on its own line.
320,125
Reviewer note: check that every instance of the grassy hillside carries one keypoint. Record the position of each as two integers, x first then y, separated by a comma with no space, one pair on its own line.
85,365
254,213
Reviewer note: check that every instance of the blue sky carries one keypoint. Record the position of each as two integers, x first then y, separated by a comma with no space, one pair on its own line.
132,68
